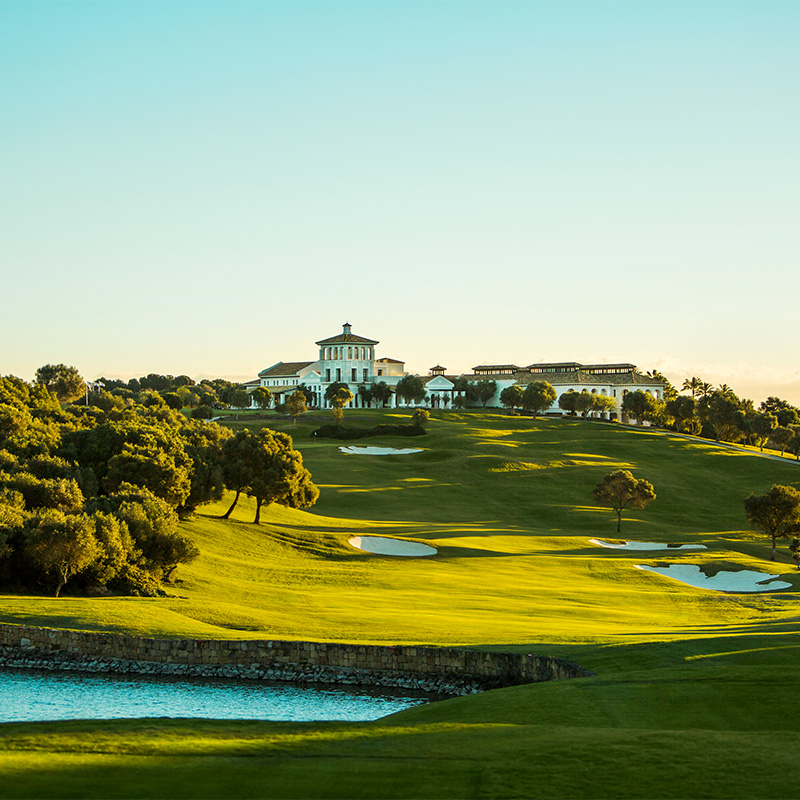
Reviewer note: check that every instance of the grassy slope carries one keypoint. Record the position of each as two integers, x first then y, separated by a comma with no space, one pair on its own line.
695,689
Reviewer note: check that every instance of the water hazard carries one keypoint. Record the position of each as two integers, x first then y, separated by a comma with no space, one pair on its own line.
34,695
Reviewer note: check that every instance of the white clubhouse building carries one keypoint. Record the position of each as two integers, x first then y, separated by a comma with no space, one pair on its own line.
350,359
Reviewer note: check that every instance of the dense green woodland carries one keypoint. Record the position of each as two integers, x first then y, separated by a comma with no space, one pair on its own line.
91,495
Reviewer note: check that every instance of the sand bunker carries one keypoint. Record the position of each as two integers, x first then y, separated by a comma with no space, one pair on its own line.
379,451
384,546
647,545
745,580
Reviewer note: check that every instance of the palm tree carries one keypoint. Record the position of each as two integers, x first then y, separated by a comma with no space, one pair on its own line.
725,390
705,388
691,385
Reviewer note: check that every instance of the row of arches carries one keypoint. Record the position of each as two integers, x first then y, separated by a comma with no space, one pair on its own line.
350,353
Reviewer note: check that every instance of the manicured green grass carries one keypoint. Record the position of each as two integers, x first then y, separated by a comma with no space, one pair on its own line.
696,690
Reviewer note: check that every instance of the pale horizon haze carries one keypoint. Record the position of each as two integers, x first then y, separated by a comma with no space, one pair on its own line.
207,188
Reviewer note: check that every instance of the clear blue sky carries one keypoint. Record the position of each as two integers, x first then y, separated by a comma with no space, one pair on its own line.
210,187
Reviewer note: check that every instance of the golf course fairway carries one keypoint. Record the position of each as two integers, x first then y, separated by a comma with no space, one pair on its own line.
696,694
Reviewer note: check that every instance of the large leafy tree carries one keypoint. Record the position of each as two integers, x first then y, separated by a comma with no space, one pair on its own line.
485,390
65,382
683,411
566,402
411,388
61,543
538,397
582,403
296,404
266,466
203,443
311,398
640,405
776,513
281,477
153,527
762,427
382,392
236,465
786,413
465,389
793,446
602,403
511,396
338,394
365,393
262,396
239,397
781,437
720,411
620,490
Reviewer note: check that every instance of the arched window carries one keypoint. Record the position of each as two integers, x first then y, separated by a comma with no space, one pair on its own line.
349,352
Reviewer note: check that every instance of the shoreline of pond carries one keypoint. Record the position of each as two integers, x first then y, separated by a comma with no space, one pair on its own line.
439,671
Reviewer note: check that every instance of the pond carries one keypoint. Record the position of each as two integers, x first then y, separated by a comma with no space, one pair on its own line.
39,695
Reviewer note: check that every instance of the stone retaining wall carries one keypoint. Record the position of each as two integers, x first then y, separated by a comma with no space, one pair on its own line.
442,670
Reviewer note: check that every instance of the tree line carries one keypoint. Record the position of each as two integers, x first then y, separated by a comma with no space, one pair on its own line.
176,392
718,413
93,494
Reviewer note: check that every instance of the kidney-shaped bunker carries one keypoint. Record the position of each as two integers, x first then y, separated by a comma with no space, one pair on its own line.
384,546
379,451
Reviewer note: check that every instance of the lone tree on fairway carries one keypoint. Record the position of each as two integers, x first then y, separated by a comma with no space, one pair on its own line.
279,475
266,466
776,514
296,405
620,490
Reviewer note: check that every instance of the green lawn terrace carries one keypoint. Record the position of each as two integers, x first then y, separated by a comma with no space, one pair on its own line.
697,692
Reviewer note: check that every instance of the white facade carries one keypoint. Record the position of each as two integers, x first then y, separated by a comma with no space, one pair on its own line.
350,359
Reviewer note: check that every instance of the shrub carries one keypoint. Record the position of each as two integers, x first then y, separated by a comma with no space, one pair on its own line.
337,432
